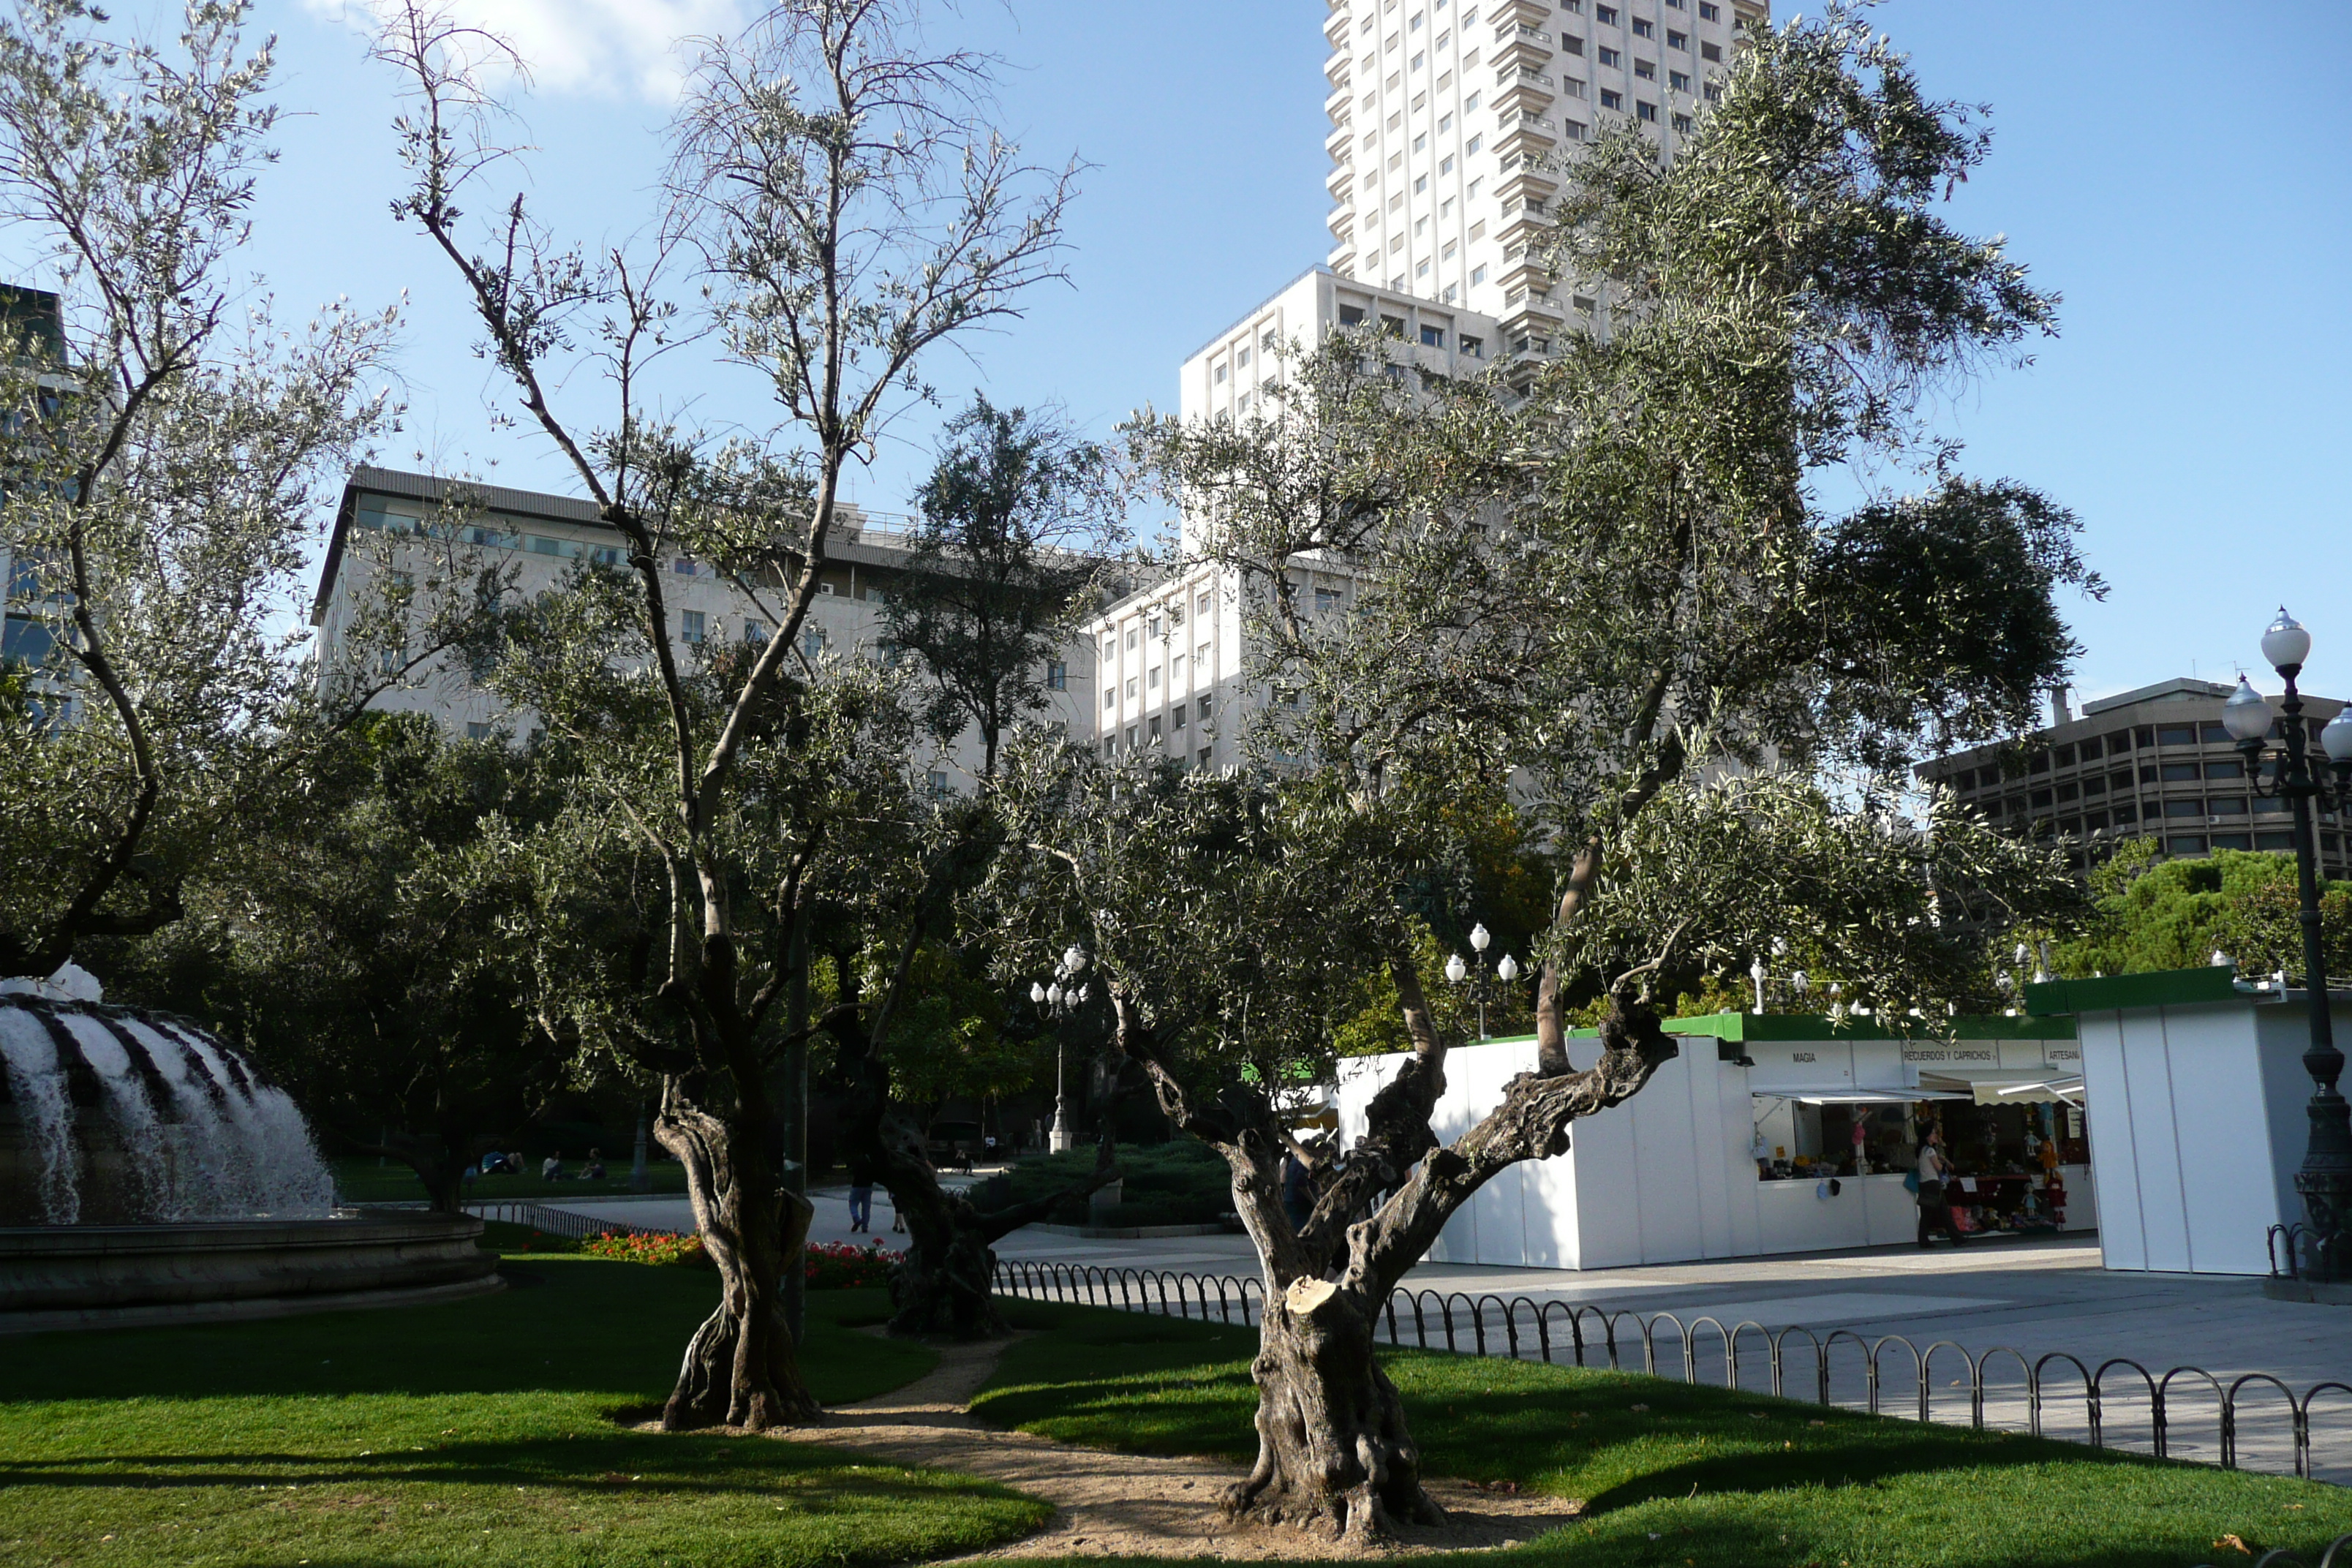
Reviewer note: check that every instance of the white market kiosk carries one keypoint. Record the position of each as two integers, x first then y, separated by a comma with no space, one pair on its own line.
2197,1101
1671,1175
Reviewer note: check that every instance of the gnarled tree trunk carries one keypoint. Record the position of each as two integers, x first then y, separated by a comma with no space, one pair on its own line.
741,1369
944,1288
1335,1453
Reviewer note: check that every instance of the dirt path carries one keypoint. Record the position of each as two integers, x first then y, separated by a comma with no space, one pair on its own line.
1108,1504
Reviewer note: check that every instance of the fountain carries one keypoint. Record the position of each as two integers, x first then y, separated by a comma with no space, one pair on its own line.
149,1172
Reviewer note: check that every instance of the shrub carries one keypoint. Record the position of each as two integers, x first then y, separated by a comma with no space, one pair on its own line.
663,1250
1181,1182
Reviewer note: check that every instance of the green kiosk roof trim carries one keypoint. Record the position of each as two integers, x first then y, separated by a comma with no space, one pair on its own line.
2158,988
1741,1027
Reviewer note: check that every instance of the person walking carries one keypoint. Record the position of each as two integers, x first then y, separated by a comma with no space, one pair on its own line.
861,1200
1934,1208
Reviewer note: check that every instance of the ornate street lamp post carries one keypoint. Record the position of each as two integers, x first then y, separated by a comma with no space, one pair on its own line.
2300,778
1456,971
1061,1003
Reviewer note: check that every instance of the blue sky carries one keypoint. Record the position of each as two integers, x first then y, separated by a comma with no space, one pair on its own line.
2178,173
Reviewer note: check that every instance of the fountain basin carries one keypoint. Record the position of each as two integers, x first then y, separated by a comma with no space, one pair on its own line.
102,1276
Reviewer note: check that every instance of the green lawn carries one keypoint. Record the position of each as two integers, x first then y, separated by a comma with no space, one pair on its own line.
366,1182
476,1433
1673,1475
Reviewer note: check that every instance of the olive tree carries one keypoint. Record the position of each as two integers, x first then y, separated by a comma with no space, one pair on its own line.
168,448
838,189
1604,576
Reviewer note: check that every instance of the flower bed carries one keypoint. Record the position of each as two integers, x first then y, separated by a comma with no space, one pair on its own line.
832,1265
670,1251
837,1265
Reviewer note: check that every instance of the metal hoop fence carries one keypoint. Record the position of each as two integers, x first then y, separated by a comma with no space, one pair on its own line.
561,1222
1887,1375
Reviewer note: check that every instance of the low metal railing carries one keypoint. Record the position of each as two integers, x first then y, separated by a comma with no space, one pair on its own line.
1789,1362
563,1222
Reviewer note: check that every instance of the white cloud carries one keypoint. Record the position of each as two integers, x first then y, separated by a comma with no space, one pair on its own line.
602,49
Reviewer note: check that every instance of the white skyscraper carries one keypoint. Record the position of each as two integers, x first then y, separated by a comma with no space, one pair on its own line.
1445,113
1447,119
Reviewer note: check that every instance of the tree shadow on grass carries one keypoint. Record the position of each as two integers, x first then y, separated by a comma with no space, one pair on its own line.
590,1327
612,1465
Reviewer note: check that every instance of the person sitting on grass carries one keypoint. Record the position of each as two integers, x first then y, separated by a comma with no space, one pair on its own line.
551,1168
493,1163
593,1170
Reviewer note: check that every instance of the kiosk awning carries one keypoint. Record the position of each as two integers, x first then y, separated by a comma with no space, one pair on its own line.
2006,1087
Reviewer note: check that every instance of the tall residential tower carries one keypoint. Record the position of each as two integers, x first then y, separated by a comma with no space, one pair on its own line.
1447,117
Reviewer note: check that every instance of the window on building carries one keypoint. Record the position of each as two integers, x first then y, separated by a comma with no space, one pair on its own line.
1710,52
1645,111
2070,792
1605,15
2094,786
1612,100
1433,337
1645,29
2190,807
1176,670
1476,348
1201,709
1177,715
1133,635
1111,697
755,630
689,626
2181,773
2175,734
1393,326
1682,125
2065,755
936,780
2126,812
1327,600
477,732
1421,271
1679,80
1711,91
1421,143
1110,746
1131,681
1709,12
2186,844
1610,57
812,641
1201,604
1349,316
2233,769
1470,105
2041,798
1445,164
1478,276
2215,734
1219,377
1201,658
683,566
1151,677
2227,805
1132,733
1677,40
1057,676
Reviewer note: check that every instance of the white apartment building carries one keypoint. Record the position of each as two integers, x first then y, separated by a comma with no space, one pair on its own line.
1170,657
542,535
1446,116
1447,120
